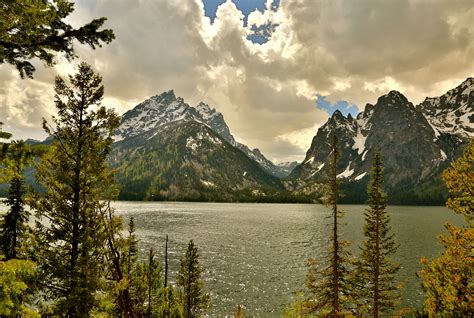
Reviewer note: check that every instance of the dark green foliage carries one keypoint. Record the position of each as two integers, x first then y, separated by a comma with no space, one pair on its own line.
186,161
14,227
170,305
189,280
329,284
75,176
37,29
375,288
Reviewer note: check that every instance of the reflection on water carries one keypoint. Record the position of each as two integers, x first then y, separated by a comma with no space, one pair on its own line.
254,254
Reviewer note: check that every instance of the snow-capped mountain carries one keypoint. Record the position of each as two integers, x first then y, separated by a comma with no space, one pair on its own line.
166,108
416,144
186,160
453,112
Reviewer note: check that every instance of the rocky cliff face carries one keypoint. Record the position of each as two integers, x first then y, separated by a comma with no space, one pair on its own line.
416,144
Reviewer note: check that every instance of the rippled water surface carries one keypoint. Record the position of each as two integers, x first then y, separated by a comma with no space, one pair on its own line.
254,254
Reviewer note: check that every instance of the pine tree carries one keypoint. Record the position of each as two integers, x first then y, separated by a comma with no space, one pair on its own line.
37,29
194,300
447,281
153,283
14,224
375,273
330,285
118,247
75,176
170,305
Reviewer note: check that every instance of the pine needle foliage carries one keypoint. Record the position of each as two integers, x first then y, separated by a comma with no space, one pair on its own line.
38,29
14,225
375,286
447,281
74,173
330,283
189,280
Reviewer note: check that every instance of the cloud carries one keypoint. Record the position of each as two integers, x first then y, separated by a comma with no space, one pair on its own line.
346,52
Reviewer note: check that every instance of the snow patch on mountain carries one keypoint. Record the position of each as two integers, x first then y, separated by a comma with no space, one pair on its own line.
346,173
360,176
453,112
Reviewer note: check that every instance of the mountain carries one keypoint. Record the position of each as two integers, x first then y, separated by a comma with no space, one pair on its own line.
186,160
416,143
166,108
288,166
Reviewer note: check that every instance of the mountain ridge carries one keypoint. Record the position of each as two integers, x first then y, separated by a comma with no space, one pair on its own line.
166,107
415,147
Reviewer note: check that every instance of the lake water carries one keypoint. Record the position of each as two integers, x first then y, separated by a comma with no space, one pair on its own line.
254,254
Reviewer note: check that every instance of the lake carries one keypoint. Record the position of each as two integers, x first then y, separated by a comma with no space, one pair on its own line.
254,254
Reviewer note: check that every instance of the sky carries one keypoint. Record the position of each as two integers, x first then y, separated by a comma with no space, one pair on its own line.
275,69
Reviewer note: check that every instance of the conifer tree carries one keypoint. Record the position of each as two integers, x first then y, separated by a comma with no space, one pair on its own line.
330,283
75,176
376,289
194,300
38,29
447,281
170,305
119,285
14,223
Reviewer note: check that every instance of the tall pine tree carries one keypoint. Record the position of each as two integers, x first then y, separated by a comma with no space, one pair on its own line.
448,280
15,221
330,283
189,280
75,176
376,290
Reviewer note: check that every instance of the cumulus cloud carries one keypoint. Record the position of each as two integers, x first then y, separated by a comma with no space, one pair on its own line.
349,52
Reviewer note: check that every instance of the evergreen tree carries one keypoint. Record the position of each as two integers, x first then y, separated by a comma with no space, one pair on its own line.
75,176
194,300
330,284
119,283
152,278
447,281
375,273
170,305
14,223
37,29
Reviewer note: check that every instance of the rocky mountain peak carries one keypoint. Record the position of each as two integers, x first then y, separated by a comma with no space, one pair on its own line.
393,98
416,143
165,96
453,112
337,115
206,111
167,108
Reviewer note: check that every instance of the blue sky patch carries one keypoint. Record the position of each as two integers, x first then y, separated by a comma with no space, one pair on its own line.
260,34
343,106
246,6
